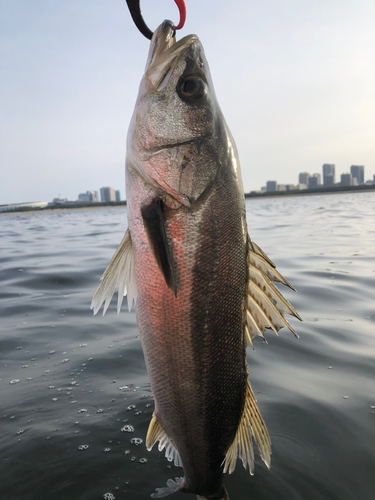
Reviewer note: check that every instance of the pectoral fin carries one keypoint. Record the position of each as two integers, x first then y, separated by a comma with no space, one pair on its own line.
157,236
118,275
251,426
265,305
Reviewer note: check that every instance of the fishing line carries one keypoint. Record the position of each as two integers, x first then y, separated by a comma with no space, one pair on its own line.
135,12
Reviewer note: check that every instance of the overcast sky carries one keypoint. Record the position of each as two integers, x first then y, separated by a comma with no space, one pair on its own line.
295,80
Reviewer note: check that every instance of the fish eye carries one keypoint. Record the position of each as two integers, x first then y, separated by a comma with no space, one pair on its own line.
191,88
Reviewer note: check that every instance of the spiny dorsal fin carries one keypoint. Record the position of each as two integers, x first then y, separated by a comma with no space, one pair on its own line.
265,305
119,274
156,433
251,426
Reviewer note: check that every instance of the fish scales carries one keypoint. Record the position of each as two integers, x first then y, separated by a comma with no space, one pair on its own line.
188,260
193,344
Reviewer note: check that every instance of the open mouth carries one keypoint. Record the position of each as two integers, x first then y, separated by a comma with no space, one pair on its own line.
163,53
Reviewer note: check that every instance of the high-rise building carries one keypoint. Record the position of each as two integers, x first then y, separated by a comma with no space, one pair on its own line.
346,180
94,196
89,196
358,172
271,186
314,181
328,174
118,195
86,197
107,194
303,178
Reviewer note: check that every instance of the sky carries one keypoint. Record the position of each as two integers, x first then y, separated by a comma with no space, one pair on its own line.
295,80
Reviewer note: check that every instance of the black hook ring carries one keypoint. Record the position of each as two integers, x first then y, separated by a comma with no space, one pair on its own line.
135,11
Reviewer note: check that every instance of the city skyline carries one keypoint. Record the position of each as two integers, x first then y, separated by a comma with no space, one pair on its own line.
355,177
295,85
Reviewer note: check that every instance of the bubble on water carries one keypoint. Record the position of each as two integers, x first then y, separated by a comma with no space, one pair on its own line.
25,366
100,410
110,346
127,452
51,387
132,459
137,413
52,352
90,359
123,388
82,345
143,396
73,382
72,402
148,406
127,428
14,381
346,397
113,381
329,367
143,460
131,407
20,432
108,496
19,348
65,360
82,410
82,447
106,450
64,352
47,371
29,378
136,441
372,407
54,399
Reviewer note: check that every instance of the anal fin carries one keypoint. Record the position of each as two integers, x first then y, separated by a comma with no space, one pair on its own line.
118,275
251,426
156,433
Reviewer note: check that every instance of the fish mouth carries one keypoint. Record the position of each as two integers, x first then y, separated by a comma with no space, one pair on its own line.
163,53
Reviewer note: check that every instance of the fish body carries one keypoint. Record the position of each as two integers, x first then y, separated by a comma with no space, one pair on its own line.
187,257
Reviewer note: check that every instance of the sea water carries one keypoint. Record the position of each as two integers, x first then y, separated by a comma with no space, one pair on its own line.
75,397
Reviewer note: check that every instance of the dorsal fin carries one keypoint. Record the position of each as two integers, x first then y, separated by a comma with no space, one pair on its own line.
251,426
265,305
118,275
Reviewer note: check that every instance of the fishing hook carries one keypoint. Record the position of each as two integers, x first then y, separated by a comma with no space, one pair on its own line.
135,12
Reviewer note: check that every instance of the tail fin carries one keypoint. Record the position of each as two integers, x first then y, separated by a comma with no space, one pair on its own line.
223,495
172,487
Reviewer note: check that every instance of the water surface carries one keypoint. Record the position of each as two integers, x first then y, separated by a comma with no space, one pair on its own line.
75,397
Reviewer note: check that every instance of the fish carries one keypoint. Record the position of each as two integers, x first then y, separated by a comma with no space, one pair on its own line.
203,289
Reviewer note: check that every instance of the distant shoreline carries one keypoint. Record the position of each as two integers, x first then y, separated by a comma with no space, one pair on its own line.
272,194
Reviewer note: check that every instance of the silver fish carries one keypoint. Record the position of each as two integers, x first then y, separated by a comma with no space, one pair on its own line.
203,288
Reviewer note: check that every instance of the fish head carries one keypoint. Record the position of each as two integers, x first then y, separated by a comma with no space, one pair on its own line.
178,139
